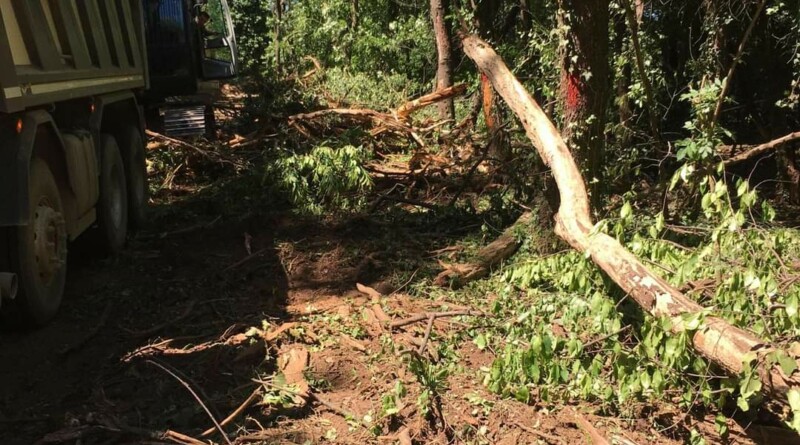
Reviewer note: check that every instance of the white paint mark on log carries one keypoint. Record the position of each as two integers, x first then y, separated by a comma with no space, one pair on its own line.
663,301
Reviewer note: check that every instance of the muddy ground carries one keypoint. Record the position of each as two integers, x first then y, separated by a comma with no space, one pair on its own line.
221,288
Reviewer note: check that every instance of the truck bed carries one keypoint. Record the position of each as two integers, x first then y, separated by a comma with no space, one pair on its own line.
52,51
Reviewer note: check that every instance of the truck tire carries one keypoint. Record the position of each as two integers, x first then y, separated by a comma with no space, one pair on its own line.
112,209
38,254
132,148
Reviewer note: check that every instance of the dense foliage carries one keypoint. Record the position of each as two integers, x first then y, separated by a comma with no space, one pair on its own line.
688,81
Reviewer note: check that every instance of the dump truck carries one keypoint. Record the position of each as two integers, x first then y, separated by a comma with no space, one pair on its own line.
80,80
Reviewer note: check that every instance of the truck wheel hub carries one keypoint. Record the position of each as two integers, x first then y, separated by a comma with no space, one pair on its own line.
49,241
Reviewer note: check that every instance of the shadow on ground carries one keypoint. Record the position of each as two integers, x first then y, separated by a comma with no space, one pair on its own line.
211,265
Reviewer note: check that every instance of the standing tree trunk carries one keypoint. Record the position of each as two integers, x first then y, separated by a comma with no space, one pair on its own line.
278,18
633,13
584,83
525,16
623,83
444,68
354,15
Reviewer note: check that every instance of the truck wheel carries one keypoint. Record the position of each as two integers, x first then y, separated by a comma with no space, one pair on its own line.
112,209
38,253
132,148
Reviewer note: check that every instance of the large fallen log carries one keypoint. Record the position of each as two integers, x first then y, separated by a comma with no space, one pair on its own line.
720,342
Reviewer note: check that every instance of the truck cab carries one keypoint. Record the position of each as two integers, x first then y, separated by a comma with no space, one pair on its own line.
76,77
188,41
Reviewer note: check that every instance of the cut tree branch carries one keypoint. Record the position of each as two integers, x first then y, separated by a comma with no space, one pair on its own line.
409,107
431,315
758,150
717,340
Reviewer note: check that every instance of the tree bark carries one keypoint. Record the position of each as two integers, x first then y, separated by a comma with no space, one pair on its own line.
725,345
584,82
633,13
404,111
525,16
758,150
443,51
499,250
787,162
354,8
278,18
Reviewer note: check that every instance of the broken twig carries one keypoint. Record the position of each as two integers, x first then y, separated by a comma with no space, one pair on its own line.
246,404
432,315
196,397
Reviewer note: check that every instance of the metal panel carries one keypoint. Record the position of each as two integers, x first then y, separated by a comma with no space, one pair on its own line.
8,76
51,25
139,29
36,33
85,31
94,32
131,33
108,11
19,51
46,93
28,75
69,29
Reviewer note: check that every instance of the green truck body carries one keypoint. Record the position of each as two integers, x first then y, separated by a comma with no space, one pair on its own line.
77,79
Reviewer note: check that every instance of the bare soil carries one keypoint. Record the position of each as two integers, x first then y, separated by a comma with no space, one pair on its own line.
179,305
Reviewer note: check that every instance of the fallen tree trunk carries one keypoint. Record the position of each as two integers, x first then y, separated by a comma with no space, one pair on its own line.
720,342
757,150
429,99
499,250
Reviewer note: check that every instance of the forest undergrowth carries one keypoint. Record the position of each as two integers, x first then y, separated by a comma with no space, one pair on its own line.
541,325
554,331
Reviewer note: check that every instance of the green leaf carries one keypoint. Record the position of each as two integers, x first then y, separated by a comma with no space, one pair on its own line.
741,402
794,399
692,321
480,342
705,203
791,305
523,394
788,364
721,423
658,381
626,212
750,385
644,379
742,188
